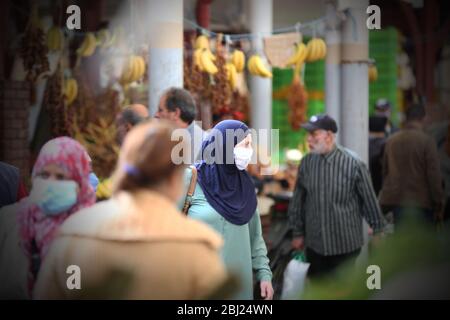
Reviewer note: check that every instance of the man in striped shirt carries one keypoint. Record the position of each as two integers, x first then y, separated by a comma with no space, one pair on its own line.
333,194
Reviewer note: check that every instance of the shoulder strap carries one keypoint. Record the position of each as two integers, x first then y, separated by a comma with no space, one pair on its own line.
191,189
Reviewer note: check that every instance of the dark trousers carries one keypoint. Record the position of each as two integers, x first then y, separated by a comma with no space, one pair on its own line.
323,265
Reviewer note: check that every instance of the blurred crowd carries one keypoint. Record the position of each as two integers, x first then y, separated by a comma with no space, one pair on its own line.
175,231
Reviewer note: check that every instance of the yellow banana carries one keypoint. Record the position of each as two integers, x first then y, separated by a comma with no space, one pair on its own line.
308,51
317,50
231,74
127,72
55,39
299,55
251,65
260,68
323,47
207,63
196,57
70,90
202,42
238,59
135,68
311,51
211,55
88,46
373,73
140,66
103,38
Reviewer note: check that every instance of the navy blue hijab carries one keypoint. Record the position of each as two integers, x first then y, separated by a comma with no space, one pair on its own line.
227,189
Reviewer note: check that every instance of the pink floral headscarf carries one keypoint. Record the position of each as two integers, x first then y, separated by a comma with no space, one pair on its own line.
70,156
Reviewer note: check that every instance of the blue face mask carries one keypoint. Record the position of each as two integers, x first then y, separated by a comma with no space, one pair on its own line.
93,180
54,197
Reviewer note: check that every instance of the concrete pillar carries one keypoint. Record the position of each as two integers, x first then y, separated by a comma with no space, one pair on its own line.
355,89
260,21
166,48
333,66
355,82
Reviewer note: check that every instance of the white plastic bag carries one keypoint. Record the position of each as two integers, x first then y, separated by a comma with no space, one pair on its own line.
294,279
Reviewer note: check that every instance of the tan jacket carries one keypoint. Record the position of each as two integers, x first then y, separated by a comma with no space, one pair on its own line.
143,236
411,171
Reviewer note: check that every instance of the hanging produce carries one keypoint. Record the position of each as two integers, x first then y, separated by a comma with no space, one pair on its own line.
202,42
93,125
203,57
297,100
299,56
207,61
70,91
257,68
133,70
54,104
238,59
88,45
316,50
33,51
221,91
55,39
373,72
231,74
105,39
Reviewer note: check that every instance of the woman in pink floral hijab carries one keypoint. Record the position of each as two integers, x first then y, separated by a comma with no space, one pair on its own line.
60,187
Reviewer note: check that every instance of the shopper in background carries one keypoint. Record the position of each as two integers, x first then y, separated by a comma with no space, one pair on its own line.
60,187
138,233
225,199
128,118
411,171
333,194
383,109
377,140
125,121
178,106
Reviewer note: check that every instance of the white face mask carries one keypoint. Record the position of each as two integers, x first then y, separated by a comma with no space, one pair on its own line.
242,157
54,197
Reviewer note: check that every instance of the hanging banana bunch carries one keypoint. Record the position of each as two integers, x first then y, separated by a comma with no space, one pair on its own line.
207,62
70,90
238,60
55,39
299,56
105,39
88,46
203,58
257,68
316,50
202,42
232,75
134,70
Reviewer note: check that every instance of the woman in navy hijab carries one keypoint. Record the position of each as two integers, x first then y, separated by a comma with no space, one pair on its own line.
225,199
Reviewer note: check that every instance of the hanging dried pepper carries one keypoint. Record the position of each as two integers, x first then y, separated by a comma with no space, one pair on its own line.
33,50
297,101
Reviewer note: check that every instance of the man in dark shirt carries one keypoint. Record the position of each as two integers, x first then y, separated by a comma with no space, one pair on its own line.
412,179
333,194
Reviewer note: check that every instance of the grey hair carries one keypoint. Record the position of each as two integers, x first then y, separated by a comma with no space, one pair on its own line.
183,100
132,117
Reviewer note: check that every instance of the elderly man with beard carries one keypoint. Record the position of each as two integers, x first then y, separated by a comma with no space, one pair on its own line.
333,194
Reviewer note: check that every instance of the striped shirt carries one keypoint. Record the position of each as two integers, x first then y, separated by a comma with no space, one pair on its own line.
332,195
